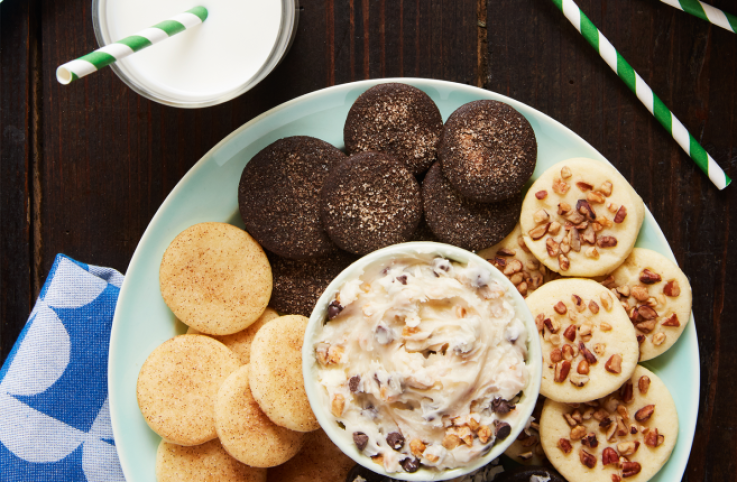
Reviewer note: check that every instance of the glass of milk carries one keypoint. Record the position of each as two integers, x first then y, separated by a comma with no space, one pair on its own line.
238,45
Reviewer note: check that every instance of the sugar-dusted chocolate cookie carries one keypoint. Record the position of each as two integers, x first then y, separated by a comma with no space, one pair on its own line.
279,196
489,150
581,218
299,284
462,222
626,436
589,345
396,119
370,201
657,297
513,258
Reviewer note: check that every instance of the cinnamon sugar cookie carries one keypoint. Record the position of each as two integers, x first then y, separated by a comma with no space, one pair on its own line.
319,460
178,384
626,436
581,218
215,278
208,461
588,343
657,297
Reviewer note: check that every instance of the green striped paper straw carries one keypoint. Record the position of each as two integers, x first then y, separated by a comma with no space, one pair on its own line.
644,92
706,12
92,62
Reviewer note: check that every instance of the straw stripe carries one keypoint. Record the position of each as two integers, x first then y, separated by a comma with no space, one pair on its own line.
92,62
706,12
638,85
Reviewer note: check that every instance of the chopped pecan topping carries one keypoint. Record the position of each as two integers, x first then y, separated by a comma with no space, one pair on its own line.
578,380
609,282
606,301
640,293
600,349
609,456
612,207
587,459
560,308
584,186
623,290
672,289
604,422
564,208
622,411
672,320
575,240
649,277
616,478
590,357
565,172
538,232
614,364
554,228
606,188
553,247
578,303
539,321
560,187
593,307
575,218
561,371
570,333
542,194
643,384
605,327
630,468
644,413
606,242
590,440
641,339
583,207
658,339
568,350
506,252
583,367
578,432
552,325
563,262
646,313
594,197
626,393
565,445
541,216
621,215
556,355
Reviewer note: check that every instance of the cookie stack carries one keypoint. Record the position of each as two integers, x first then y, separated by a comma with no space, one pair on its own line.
601,306
228,397
406,177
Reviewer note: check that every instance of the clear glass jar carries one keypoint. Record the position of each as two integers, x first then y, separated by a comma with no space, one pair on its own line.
285,37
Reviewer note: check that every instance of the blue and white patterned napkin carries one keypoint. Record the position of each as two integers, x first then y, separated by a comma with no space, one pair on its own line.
54,411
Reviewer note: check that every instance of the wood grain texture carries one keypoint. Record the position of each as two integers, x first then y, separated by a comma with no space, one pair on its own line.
17,62
103,159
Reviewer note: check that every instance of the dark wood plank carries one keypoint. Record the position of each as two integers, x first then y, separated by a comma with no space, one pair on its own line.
18,30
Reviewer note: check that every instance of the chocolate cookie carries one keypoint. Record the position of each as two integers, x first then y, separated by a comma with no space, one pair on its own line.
279,196
299,283
488,151
370,201
396,119
462,222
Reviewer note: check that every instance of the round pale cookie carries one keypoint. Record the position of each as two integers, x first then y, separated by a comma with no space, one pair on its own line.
527,449
245,431
319,460
207,462
581,218
657,296
240,343
589,345
215,278
276,374
638,422
513,258
178,384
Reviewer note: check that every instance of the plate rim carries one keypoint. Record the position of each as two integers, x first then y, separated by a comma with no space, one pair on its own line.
208,157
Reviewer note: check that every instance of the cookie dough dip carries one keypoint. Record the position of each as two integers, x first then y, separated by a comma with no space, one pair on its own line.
421,362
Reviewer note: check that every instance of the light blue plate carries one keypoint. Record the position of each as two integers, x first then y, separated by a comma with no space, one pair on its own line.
209,193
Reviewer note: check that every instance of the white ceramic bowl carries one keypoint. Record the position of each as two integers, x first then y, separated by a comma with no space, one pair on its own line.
315,392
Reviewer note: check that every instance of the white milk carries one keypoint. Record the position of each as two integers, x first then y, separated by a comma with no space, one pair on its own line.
209,63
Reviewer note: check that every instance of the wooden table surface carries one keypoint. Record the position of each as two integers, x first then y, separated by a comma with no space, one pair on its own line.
85,167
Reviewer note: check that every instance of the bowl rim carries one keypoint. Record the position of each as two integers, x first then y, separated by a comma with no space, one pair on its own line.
533,360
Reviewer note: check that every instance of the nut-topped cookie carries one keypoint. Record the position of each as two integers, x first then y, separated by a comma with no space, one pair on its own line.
657,297
581,218
628,435
513,258
589,345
